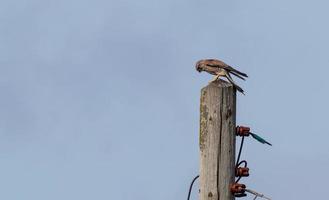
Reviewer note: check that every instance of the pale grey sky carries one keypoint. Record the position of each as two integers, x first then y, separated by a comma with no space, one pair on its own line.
100,99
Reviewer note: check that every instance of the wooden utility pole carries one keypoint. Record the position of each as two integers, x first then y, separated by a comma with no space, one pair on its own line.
217,140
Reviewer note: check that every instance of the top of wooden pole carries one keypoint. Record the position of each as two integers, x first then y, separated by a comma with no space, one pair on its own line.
219,83
212,87
217,140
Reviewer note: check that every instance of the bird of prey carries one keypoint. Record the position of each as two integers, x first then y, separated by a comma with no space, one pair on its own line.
219,68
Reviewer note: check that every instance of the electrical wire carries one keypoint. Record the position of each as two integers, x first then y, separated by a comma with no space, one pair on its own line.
189,192
238,163
240,150
257,194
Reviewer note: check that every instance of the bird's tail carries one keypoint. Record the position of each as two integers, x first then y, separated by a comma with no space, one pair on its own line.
237,72
233,83
237,75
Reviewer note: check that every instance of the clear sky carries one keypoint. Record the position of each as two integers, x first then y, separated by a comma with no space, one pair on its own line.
100,99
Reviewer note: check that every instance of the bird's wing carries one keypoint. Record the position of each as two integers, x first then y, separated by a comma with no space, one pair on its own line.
237,75
216,63
234,71
221,64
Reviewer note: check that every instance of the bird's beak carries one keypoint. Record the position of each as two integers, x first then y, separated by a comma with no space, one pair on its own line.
198,67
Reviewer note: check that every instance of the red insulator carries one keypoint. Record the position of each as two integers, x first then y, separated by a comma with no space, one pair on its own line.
238,188
242,131
242,172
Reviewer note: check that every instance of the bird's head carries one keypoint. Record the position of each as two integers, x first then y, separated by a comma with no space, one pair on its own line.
199,66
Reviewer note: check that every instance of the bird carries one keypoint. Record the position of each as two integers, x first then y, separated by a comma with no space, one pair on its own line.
220,69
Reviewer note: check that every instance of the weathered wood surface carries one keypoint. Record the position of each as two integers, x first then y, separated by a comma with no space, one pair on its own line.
217,140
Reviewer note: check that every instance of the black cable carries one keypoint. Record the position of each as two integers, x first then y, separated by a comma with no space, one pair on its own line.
245,165
189,192
243,161
238,163
240,150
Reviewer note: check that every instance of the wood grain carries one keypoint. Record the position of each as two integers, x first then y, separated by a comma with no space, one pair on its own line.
217,140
